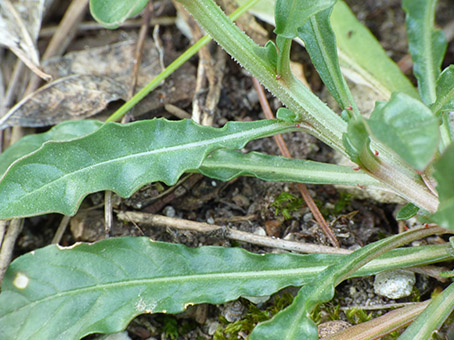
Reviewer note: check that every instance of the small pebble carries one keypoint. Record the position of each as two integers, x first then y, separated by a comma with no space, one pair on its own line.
394,284
210,220
169,211
259,231
212,328
328,328
308,217
241,200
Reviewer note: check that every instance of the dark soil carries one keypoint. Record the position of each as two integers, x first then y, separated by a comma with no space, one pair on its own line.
246,203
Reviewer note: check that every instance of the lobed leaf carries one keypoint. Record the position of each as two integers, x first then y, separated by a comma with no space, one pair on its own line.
67,293
320,43
291,14
445,187
444,91
408,127
227,164
62,132
427,45
116,157
112,13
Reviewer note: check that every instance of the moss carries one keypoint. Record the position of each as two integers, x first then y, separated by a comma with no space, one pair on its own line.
254,315
286,203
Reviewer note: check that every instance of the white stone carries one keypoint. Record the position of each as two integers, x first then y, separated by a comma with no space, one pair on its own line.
394,284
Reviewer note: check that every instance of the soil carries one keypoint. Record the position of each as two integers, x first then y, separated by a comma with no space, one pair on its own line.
245,204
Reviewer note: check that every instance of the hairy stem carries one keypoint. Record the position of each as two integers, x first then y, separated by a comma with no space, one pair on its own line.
319,120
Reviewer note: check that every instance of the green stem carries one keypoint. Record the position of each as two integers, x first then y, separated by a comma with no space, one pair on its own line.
410,187
321,121
432,318
173,67
283,58
327,125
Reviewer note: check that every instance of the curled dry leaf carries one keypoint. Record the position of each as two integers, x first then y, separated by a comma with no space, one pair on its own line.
69,98
114,60
20,21
106,71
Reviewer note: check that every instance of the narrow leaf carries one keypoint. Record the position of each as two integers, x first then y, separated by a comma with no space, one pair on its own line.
408,127
363,59
294,322
320,43
444,91
431,319
61,132
67,293
444,176
427,45
291,14
116,157
112,13
226,164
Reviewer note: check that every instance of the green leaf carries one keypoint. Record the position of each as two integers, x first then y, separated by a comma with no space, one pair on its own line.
407,211
363,59
67,293
444,91
294,322
116,157
112,13
427,45
227,164
268,53
432,318
445,179
291,14
61,132
288,116
408,127
356,140
320,43
361,56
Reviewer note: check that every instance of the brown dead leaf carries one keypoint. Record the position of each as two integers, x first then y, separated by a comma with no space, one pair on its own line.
106,71
20,21
273,228
70,98
114,60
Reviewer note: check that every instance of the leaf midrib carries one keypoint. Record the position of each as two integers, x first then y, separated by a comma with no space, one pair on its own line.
186,279
181,147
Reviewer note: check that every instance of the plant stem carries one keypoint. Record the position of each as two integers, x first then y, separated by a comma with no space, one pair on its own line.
320,121
283,58
326,124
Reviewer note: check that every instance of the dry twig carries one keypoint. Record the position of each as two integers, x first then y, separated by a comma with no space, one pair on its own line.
232,234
